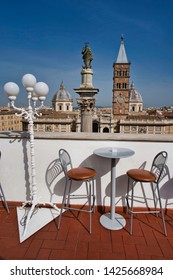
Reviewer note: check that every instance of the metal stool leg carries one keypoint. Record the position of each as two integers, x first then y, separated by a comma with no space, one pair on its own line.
93,196
131,211
63,204
90,208
161,210
4,200
127,196
154,196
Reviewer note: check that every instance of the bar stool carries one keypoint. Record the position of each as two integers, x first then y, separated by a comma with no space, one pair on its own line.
2,196
153,176
85,174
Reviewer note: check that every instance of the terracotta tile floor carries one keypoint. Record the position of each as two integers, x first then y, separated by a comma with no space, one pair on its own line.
73,242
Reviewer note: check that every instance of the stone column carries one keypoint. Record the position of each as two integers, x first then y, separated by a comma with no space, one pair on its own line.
86,105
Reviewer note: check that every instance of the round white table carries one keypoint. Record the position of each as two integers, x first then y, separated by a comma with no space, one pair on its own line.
112,220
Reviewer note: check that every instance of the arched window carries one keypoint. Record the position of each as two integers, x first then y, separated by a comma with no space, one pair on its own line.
133,108
105,129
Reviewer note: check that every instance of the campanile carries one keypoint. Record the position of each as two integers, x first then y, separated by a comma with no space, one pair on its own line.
121,79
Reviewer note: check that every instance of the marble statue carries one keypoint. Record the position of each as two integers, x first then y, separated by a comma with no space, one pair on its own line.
87,56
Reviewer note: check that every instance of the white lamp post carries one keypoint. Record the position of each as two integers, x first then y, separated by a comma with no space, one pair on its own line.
36,90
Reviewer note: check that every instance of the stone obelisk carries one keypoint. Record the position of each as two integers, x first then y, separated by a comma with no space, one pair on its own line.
86,91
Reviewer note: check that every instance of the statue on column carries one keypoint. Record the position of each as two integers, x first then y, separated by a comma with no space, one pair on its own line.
86,91
87,56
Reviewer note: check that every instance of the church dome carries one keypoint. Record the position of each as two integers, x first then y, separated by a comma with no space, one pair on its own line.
135,95
61,94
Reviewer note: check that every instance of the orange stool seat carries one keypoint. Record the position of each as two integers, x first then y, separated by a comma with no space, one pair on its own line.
81,173
141,175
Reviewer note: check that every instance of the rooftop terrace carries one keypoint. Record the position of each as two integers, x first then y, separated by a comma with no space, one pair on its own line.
73,241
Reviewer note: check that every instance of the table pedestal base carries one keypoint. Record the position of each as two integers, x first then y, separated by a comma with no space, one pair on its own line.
117,223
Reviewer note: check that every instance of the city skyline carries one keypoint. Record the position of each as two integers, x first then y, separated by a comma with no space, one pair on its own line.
46,38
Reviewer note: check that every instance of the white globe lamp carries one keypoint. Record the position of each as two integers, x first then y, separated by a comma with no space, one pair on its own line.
41,89
29,81
12,90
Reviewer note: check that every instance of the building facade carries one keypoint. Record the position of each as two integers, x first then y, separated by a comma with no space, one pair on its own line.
9,121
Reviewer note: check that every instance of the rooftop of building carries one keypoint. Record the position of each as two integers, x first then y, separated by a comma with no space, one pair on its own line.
135,96
62,94
122,57
57,114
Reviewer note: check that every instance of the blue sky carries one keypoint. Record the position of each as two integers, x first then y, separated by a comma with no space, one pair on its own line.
46,37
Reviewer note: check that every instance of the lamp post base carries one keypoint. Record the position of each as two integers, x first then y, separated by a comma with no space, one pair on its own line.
32,210
39,218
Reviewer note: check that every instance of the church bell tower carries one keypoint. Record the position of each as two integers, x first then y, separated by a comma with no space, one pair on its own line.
121,79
